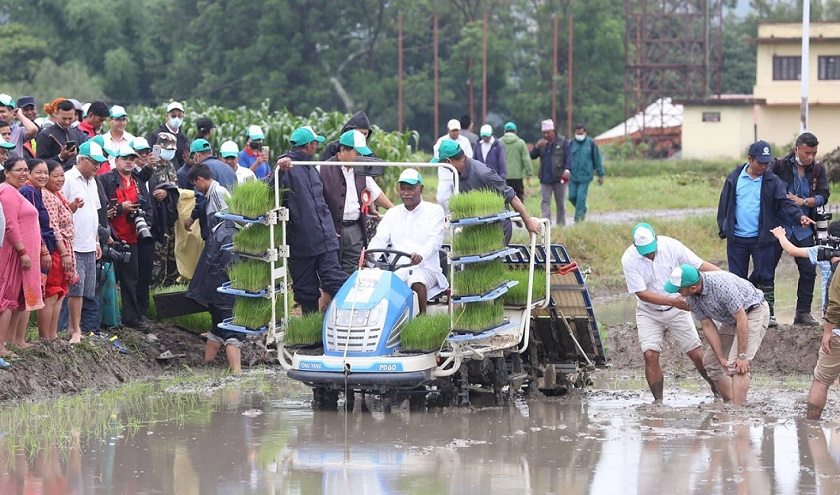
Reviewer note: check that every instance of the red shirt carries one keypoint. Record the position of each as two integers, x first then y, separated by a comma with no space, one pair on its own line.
123,227
87,129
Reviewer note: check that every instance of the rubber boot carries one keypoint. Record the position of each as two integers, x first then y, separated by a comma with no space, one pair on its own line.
770,297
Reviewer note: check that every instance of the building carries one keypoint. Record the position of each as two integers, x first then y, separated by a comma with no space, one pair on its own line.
724,126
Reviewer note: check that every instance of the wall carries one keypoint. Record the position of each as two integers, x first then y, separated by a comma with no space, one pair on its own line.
728,138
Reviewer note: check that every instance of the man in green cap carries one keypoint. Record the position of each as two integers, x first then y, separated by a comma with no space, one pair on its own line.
313,243
519,165
475,175
202,152
647,265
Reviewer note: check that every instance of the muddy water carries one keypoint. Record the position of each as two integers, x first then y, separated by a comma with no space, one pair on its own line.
597,442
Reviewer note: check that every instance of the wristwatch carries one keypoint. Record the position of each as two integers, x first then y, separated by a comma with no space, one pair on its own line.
742,356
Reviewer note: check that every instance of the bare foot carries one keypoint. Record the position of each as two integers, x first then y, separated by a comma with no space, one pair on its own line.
22,345
5,353
75,338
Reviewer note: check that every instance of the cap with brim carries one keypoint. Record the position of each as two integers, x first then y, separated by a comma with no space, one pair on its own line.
356,140
453,125
174,106
7,101
200,145
644,238
92,150
761,152
255,133
127,151
485,130
448,149
77,105
305,135
117,111
140,143
205,124
25,101
228,149
7,145
510,126
411,176
681,277
100,140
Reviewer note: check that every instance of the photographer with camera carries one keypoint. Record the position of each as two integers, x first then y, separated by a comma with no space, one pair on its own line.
807,186
130,219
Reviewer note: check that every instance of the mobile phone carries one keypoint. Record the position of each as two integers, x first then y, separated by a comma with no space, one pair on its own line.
156,152
265,149
112,203
69,145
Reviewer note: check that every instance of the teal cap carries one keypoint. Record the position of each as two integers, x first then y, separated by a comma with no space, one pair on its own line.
200,145
448,149
356,140
92,150
305,135
682,276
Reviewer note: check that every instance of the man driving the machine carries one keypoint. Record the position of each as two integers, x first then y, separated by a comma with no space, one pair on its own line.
416,228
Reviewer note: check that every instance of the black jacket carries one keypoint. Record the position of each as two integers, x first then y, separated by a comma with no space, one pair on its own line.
182,147
815,173
358,121
111,181
51,140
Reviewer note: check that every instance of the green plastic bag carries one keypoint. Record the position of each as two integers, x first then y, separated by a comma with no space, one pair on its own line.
109,306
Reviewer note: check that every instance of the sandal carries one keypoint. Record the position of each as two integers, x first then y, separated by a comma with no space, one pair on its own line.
4,365
116,342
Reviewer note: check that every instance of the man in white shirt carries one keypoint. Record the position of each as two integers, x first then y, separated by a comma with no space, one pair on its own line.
116,138
446,183
82,192
415,227
229,153
344,192
647,266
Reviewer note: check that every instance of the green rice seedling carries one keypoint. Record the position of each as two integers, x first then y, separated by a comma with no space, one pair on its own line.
251,199
478,316
425,332
250,275
255,312
306,329
476,203
196,323
478,239
518,294
254,238
476,279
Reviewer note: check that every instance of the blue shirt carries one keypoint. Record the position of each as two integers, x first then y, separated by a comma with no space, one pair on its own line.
747,204
246,160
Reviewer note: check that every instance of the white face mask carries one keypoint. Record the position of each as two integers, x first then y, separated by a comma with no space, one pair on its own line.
167,155
175,122
580,137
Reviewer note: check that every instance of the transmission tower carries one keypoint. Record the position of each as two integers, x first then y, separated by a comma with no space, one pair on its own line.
673,49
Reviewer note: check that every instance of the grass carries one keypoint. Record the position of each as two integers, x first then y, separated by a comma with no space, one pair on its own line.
478,316
254,238
306,329
476,279
476,203
250,275
518,294
478,239
425,332
255,312
196,323
251,199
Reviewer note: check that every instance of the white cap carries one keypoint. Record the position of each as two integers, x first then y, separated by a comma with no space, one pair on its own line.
485,130
453,124
255,133
140,143
228,148
174,106
411,176
85,109
548,125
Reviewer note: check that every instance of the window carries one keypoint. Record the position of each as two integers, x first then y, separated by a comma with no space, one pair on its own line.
711,116
787,68
829,68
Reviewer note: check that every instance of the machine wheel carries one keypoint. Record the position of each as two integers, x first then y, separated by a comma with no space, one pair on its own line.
417,401
324,399
501,378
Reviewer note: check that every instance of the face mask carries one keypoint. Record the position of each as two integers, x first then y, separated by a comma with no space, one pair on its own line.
167,155
254,145
580,137
175,122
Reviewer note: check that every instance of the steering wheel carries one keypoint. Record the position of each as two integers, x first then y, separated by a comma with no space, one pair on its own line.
392,265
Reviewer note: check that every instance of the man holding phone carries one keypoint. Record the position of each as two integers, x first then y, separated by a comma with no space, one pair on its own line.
60,142
255,156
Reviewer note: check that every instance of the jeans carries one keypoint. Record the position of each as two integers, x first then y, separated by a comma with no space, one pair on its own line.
807,275
90,315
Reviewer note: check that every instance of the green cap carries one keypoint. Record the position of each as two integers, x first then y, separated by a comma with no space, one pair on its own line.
6,144
411,176
117,111
510,126
305,135
92,150
140,143
100,140
682,276
356,140
7,101
200,145
644,238
126,151
448,149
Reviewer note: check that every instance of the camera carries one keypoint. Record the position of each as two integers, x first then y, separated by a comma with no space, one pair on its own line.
821,218
119,252
140,225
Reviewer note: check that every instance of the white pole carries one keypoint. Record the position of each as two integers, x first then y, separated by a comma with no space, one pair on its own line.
806,37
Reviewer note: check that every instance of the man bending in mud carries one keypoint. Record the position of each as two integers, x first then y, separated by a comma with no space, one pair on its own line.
647,266
827,369
743,315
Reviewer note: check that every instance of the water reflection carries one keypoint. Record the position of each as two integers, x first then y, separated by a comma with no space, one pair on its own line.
601,443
